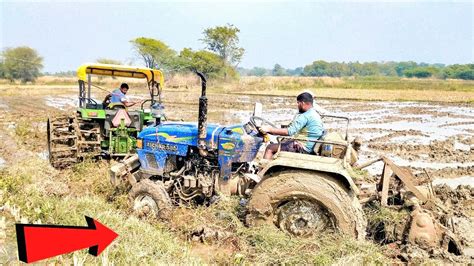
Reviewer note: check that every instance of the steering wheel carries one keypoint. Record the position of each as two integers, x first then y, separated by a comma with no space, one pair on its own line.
143,103
93,102
264,134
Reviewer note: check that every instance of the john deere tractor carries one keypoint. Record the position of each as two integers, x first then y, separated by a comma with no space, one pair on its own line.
97,130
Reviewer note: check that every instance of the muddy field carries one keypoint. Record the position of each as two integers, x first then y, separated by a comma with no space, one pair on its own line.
436,140
437,137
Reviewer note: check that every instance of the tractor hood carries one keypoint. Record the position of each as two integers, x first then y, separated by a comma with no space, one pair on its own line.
182,133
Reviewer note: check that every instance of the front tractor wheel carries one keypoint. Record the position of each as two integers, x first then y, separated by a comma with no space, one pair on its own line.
150,199
304,203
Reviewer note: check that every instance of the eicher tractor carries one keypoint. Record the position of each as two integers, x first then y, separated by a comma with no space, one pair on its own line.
189,163
97,130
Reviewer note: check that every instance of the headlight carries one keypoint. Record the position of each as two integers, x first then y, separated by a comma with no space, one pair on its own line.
140,143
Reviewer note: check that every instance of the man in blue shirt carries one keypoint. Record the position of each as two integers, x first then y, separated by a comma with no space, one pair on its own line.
306,125
119,97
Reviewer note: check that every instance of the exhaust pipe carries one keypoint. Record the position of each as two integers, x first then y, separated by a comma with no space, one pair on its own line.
202,118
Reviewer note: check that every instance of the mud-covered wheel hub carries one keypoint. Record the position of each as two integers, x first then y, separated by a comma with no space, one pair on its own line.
304,218
145,206
149,199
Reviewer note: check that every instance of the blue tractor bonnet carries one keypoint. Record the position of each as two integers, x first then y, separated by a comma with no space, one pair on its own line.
180,133
231,143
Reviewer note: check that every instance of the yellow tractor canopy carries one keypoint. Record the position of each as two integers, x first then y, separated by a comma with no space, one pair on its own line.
120,71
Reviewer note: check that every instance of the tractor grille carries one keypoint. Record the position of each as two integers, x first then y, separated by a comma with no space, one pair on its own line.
150,158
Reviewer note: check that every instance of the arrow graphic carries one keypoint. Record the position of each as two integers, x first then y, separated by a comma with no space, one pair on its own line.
37,242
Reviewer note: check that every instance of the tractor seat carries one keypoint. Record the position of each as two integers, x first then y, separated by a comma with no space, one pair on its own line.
116,106
336,151
317,146
94,106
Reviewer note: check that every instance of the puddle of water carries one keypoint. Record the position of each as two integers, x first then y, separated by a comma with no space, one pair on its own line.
367,136
431,129
455,182
44,155
417,140
431,165
61,103
462,146
276,116
366,155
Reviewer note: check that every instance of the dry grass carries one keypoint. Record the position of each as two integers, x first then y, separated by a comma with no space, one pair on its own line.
362,88
26,197
32,191
238,244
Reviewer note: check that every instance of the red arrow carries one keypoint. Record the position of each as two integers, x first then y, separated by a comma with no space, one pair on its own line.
37,242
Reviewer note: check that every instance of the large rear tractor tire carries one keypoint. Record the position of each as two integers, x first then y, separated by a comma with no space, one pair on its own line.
305,203
150,199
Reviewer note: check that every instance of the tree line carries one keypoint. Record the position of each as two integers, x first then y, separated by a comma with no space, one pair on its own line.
220,59
408,69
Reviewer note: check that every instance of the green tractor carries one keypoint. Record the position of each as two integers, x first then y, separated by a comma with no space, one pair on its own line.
100,130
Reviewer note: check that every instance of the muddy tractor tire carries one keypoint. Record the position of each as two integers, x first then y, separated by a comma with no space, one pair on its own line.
305,203
150,199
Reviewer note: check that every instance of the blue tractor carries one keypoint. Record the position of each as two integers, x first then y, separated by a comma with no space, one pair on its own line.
189,163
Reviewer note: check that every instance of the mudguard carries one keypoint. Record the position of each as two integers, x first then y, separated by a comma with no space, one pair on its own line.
333,166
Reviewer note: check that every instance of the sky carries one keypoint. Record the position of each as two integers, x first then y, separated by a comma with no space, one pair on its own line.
290,33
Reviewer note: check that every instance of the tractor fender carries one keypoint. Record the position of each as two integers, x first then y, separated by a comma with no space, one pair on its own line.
290,160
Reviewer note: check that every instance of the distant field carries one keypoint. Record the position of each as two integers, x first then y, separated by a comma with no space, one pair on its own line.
375,88
357,88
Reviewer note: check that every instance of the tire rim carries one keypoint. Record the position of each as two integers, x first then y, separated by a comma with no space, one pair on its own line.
144,206
304,218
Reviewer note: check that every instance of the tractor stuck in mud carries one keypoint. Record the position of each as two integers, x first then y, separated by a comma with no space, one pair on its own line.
302,194
96,130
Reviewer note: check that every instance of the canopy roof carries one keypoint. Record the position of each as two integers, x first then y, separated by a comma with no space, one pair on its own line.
119,71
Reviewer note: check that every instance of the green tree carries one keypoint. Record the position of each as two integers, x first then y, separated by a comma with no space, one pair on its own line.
295,72
2,70
459,72
420,72
278,70
258,71
403,66
388,69
203,61
316,69
21,63
155,53
224,41
108,61
466,72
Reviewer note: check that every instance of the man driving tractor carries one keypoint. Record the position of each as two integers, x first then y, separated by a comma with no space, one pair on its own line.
118,97
307,124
